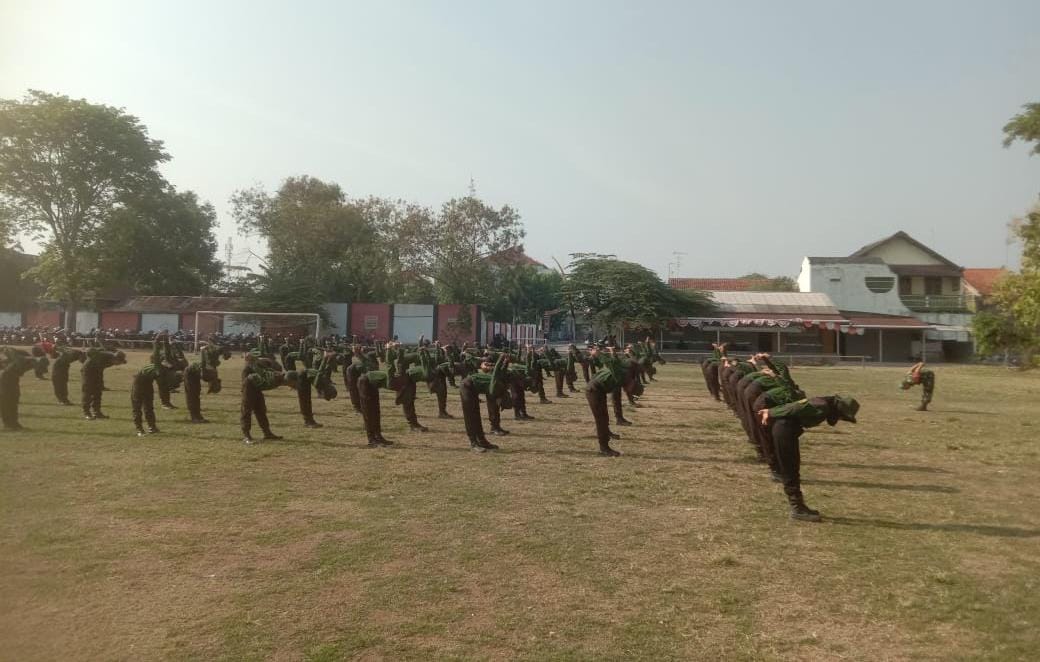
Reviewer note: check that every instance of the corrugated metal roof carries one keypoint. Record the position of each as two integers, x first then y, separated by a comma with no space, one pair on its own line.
798,304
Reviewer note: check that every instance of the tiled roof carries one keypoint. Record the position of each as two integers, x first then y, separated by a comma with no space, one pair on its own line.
719,284
983,280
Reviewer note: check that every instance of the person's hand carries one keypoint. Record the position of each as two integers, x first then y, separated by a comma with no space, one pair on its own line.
763,417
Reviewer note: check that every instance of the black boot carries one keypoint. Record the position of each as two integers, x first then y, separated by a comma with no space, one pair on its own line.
476,447
606,451
800,511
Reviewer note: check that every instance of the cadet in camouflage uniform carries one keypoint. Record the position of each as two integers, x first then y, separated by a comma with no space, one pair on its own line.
786,424
302,380
60,373
607,379
489,381
710,368
259,375
926,378
93,379
13,365
203,370
142,398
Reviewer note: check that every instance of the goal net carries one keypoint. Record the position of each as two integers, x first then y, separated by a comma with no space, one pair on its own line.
239,330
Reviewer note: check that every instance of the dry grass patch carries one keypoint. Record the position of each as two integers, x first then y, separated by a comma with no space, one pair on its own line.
189,545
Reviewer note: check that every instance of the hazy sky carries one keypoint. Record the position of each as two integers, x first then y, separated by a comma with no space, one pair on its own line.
744,134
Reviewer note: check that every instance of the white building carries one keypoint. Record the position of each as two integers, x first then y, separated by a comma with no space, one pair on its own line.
896,284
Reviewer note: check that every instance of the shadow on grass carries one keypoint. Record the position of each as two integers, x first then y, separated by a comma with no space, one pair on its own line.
882,467
943,489
981,529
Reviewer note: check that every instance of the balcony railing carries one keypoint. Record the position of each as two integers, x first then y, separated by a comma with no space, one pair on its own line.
937,303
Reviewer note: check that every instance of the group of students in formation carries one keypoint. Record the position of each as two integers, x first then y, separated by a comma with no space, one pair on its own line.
773,410
502,377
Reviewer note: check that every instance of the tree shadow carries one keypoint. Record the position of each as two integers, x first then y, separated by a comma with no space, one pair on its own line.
972,412
980,529
881,467
942,489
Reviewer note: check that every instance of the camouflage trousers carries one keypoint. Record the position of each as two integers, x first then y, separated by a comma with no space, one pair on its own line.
927,386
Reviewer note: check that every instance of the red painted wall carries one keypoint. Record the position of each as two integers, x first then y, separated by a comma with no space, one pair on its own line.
112,319
450,311
207,323
358,313
42,318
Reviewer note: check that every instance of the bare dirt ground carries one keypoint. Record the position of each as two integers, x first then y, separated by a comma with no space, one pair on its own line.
190,545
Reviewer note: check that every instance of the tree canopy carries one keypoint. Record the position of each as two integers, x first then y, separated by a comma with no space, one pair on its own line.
611,292
65,164
1025,127
1014,324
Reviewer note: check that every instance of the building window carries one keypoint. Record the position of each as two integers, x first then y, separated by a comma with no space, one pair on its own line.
955,285
932,285
906,286
880,284
371,322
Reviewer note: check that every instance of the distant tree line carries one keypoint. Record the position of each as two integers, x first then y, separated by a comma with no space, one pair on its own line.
83,179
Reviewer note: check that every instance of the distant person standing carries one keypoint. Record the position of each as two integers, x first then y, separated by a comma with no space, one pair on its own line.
919,375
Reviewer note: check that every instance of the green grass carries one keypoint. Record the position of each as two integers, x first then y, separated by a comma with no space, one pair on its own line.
190,545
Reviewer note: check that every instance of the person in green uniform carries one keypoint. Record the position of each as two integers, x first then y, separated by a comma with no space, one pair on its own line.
519,382
60,372
197,372
93,379
142,398
319,377
368,383
437,379
259,374
489,381
710,369
925,378
558,366
786,423
607,379
15,363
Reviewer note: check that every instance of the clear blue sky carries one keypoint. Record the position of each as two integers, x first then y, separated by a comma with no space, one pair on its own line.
745,134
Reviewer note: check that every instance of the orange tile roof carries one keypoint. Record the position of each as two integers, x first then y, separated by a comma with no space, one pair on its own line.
983,280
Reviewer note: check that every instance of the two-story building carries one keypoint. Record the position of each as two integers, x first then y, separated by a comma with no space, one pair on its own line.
902,299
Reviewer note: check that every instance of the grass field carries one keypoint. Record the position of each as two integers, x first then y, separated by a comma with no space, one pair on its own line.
191,545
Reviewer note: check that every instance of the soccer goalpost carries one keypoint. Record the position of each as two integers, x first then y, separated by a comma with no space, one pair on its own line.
245,322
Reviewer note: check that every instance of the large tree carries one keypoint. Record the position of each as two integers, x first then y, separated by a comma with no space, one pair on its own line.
452,247
1025,127
160,242
315,235
64,165
522,294
611,292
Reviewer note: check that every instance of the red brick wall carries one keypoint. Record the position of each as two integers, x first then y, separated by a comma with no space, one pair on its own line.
450,311
358,313
43,318
207,323
112,319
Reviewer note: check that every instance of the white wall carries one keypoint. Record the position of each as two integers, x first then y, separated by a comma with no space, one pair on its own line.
805,276
845,284
338,317
900,251
86,320
160,322
411,321
11,319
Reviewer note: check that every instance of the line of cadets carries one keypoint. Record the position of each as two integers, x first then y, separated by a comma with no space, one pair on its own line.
774,412
502,378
